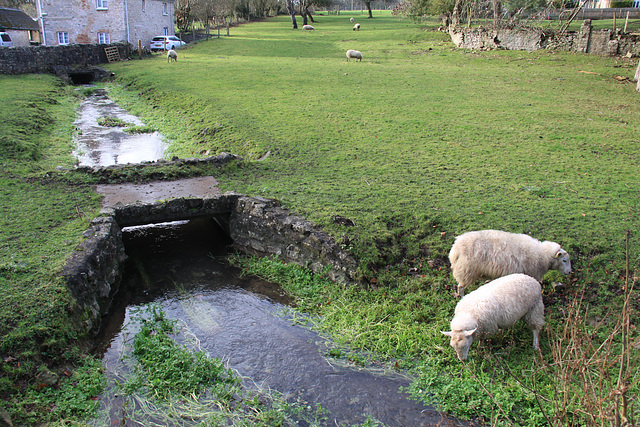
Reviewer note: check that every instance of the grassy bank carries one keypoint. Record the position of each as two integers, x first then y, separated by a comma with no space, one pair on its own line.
41,223
417,143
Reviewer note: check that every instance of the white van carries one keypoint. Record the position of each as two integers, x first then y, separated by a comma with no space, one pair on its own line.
5,40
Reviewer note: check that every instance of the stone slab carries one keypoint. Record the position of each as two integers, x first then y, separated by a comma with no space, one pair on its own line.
128,194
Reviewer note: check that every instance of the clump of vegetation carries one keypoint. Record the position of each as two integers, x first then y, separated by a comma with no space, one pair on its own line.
113,122
139,129
164,381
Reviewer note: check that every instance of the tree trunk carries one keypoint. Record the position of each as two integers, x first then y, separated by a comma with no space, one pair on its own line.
292,13
455,17
309,15
368,3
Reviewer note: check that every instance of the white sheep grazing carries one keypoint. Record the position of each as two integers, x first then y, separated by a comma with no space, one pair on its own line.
351,19
172,55
497,305
356,27
491,254
355,54
308,27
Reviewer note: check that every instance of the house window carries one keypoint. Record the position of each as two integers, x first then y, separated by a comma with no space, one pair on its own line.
144,5
104,38
166,31
63,38
165,9
101,4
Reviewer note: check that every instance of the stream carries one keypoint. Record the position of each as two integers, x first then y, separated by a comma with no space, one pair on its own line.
244,321
105,145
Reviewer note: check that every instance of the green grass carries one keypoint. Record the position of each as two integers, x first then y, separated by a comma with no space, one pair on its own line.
416,144
41,223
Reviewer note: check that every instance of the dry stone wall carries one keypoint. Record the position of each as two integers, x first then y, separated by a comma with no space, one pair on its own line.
587,40
54,59
256,225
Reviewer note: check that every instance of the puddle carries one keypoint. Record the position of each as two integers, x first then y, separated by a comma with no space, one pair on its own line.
240,320
105,146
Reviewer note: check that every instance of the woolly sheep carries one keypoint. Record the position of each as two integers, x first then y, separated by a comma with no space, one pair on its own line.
497,305
172,55
351,19
308,27
491,254
356,27
355,54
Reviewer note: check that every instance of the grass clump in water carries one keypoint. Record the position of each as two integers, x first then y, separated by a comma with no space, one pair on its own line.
166,383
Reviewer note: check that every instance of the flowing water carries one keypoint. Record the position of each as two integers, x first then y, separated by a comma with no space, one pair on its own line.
242,320
104,146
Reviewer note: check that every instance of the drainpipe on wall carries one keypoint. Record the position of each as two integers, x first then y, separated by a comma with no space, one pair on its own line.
41,16
126,19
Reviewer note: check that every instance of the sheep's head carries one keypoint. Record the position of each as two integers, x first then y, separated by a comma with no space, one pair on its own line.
561,262
461,342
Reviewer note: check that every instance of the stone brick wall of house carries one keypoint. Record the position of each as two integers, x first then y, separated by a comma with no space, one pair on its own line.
147,20
83,20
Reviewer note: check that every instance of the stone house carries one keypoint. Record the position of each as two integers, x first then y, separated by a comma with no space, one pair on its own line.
104,21
22,29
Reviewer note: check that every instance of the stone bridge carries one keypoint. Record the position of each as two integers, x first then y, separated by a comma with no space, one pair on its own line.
256,226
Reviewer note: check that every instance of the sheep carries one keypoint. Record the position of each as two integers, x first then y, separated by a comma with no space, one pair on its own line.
351,19
491,254
497,305
355,54
172,55
308,27
356,27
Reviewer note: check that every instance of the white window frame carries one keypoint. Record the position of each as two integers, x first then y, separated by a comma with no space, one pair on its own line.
166,31
165,9
63,37
102,5
144,5
104,38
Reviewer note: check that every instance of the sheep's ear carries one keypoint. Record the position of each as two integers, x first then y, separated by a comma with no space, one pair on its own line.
448,333
559,254
469,333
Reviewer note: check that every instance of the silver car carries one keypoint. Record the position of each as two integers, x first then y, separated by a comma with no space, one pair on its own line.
5,40
165,43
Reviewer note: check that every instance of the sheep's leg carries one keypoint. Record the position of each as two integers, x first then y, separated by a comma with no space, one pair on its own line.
535,320
536,339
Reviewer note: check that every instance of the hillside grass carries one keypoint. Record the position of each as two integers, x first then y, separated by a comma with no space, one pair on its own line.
416,144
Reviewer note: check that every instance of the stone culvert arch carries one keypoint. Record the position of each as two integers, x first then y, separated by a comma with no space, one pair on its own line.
256,225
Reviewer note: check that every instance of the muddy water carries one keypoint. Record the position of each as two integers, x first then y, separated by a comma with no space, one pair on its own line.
104,146
182,266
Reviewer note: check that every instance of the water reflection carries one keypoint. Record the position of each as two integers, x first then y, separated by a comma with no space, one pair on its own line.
104,146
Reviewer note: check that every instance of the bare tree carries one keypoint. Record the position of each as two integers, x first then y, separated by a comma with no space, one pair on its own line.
291,8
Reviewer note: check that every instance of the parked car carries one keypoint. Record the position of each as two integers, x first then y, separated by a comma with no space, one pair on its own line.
5,40
165,43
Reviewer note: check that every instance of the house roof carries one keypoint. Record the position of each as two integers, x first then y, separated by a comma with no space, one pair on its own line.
15,19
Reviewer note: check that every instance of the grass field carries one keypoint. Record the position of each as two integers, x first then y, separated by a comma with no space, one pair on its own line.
417,143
